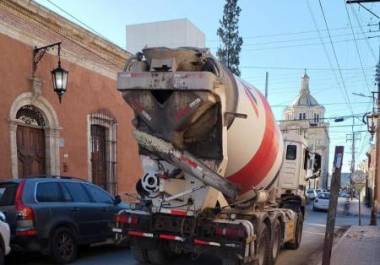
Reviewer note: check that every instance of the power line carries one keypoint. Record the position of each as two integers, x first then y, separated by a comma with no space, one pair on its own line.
303,68
357,48
336,57
328,118
323,104
290,33
361,29
326,52
77,19
298,40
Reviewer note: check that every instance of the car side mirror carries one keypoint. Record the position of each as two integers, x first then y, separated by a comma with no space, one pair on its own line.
117,200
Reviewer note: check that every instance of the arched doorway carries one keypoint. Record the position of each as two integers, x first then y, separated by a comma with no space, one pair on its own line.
34,136
30,134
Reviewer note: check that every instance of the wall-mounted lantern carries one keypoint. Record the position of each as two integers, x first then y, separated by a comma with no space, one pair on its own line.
59,75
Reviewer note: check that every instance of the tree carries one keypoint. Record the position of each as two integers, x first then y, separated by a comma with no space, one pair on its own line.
228,32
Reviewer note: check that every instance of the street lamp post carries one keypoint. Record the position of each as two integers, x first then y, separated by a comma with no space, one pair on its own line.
59,75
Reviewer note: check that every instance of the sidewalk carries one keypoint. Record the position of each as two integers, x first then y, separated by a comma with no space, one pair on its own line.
360,245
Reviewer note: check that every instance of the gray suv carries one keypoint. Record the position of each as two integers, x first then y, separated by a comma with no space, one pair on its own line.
55,215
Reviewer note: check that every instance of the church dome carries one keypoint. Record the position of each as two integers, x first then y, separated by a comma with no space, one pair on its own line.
305,98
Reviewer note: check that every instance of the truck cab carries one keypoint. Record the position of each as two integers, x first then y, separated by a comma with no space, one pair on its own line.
299,165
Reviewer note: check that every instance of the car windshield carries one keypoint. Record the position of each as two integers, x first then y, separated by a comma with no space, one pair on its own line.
324,195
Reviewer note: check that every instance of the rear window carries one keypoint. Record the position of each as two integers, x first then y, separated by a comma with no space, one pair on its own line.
324,195
7,193
49,192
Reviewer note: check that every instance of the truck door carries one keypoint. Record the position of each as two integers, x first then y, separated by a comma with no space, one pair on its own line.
290,168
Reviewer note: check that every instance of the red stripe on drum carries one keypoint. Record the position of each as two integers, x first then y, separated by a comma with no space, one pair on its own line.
252,99
263,160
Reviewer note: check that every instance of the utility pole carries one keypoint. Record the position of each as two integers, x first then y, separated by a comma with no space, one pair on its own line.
331,215
377,163
266,84
353,137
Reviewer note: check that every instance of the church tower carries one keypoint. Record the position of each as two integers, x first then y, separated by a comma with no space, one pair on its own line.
306,117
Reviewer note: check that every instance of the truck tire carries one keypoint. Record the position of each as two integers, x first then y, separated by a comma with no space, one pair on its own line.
140,254
276,241
231,261
294,244
263,247
159,256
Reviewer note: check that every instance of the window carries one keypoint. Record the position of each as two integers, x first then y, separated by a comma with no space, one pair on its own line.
300,116
306,159
77,192
316,117
31,115
49,192
98,195
291,152
304,116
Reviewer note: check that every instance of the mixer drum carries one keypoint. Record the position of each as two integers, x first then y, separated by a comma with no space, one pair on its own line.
255,144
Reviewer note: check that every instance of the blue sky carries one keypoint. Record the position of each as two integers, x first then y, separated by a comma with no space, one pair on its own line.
280,37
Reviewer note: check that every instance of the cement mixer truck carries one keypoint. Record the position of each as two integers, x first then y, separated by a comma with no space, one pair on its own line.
219,176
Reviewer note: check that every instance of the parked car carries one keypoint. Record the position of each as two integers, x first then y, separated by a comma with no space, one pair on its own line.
55,214
311,194
322,201
5,235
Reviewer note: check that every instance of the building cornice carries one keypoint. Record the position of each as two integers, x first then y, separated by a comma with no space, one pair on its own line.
108,57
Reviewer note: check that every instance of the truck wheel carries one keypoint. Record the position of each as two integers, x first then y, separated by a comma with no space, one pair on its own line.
276,241
296,242
159,256
140,254
263,248
63,246
231,261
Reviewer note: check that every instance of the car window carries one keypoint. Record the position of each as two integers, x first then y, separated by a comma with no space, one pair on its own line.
98,195
77,192
49,192
7,193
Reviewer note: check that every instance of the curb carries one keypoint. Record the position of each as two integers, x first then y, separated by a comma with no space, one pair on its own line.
337,243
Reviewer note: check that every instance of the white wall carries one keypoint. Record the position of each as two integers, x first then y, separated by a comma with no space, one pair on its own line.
171,34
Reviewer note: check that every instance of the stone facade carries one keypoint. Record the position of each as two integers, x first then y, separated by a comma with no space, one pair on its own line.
306,116
91,98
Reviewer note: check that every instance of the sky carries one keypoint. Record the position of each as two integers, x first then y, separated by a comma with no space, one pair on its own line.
282,37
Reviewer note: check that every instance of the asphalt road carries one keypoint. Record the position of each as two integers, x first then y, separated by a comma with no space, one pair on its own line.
309,252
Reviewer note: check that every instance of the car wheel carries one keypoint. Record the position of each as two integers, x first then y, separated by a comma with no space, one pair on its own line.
2,256
63,247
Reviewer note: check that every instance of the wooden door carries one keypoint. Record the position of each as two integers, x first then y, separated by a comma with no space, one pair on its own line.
98,155
30,151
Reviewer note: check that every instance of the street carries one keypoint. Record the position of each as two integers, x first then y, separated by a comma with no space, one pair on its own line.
309,252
